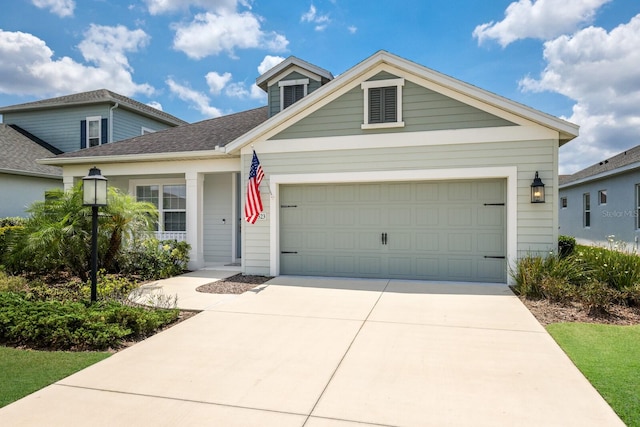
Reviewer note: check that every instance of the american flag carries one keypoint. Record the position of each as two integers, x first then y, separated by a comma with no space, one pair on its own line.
253,204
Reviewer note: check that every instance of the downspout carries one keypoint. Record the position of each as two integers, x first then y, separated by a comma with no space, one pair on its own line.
111,121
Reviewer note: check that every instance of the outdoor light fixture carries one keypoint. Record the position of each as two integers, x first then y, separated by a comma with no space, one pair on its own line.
94,194
537,190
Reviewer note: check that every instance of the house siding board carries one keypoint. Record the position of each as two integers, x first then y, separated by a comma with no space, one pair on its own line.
422,110
59,127
127,124
527,156
18,192
217,206
617,218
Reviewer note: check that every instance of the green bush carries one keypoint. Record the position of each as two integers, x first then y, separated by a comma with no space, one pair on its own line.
597,297
75,325
566,246
539,277
557,289
12,221
617,268
155,259
12,283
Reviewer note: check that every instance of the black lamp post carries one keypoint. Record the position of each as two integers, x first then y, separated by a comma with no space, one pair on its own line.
537,190
94,194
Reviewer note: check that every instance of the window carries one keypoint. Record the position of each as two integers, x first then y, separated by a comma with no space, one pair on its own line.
170,201
563,202
602,197
292,91
586,218
93,131
382,103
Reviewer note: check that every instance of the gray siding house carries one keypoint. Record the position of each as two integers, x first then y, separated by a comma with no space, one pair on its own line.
600,205
390,170
64,124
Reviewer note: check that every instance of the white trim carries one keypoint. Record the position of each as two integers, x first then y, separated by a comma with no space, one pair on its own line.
293,82
160,182
510,173
31,174
93,119
148,157
144,129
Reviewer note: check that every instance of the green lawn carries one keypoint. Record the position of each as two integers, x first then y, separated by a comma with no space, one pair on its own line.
25,371
609,356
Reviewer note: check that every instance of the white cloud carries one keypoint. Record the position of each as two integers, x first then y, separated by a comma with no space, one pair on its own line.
29,67
155,104
312,16
199,100
62,8
268,63
157,7
211,33
352,29
599,70
239,90
540,19
217,82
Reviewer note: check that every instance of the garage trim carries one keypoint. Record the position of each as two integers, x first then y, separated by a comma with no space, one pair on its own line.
510,173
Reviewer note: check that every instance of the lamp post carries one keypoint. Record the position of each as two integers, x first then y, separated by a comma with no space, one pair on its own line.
94,194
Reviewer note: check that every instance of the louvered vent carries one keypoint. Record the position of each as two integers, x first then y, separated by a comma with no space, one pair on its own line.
383,105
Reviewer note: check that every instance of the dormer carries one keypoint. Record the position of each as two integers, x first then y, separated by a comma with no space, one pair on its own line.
290,81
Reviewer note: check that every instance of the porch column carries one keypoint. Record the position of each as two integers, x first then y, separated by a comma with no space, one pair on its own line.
67,182
195,186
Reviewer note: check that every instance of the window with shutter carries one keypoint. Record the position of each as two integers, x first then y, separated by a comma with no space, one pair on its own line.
292,91
383,103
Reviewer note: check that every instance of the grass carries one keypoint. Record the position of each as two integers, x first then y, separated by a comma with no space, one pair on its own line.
608,356
26,371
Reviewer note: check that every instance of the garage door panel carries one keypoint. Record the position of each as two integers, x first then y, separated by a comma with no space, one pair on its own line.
412,230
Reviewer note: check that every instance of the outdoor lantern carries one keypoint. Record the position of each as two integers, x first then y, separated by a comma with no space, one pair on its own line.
537,190
94,188
94,194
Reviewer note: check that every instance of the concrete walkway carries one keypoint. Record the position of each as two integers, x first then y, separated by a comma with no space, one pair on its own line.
333,352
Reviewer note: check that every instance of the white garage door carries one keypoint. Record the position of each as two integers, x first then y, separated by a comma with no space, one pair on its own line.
435,230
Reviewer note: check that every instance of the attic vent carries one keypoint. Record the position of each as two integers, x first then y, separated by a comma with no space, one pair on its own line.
292,91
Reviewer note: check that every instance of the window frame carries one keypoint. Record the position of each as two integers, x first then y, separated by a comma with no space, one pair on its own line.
375,84
286,83
564,203
600,198
133,189
90,120
586,210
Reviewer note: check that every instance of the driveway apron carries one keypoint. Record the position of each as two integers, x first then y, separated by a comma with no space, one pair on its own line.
334,352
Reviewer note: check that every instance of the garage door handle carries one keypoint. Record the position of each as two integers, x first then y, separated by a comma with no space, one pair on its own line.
495,257
288,252
384,238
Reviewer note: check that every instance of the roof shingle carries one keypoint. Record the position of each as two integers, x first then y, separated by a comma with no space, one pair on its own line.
620,160
19,154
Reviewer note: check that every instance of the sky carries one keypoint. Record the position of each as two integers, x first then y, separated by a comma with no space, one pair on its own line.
197,59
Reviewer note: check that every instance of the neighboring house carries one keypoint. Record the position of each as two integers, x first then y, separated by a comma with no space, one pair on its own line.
22,179
390,170
601,203
64,124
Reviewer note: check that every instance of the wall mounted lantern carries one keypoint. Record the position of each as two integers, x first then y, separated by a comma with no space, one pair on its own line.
537,190
94,194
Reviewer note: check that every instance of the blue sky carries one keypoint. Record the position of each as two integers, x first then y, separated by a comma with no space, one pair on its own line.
196,59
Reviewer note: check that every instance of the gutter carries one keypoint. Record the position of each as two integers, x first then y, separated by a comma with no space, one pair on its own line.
111,121
130,158
33,174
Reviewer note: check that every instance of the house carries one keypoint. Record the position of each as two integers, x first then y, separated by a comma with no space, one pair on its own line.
389,170
601,203
68,123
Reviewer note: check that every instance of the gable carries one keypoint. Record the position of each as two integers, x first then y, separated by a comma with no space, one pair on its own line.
274,98
423,109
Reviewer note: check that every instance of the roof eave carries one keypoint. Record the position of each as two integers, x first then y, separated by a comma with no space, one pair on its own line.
29,173
602,175
130,158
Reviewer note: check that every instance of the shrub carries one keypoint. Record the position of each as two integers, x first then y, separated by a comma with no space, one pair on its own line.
617,268
12,283
559,276
155,259
566,246
557,289
597,296
74,325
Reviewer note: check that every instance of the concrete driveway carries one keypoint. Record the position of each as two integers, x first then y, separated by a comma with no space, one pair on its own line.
334,352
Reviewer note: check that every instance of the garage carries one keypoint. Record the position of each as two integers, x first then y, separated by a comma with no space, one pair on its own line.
428,230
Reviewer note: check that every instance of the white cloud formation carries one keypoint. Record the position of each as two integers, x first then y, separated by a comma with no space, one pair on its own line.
239,90
157,7
540,19
199,100
599,70
268,63
312,16
211,33
62,8
155,104
29,67
217,82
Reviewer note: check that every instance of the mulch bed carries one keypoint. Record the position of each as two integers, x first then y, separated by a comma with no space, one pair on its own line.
237,284
547,312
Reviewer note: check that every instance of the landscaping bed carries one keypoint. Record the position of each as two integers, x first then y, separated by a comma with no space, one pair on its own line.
237,284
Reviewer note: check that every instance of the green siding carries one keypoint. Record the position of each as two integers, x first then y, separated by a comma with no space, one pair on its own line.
537,229
273,91
422,110
127,124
